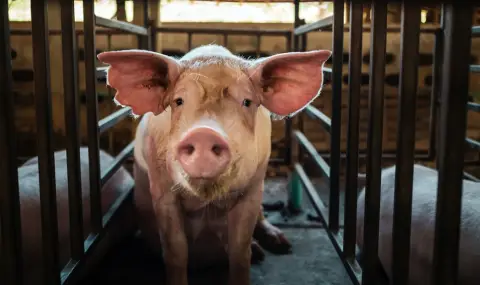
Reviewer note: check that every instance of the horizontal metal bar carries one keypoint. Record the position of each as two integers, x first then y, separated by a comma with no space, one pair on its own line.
475,68
117,163
101,72
276,161
473,107
351,265
473,143
476,30
111,120
308,146
122,26
315,26
470,176
314,113
262,32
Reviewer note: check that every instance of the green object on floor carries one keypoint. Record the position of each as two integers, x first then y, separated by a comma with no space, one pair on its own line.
295,192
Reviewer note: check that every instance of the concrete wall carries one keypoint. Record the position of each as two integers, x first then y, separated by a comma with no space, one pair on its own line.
177,43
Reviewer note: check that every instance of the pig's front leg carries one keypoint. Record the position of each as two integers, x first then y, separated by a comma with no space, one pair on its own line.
170,222
241,223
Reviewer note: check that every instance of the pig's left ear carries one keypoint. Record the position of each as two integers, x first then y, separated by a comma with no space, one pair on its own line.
289,81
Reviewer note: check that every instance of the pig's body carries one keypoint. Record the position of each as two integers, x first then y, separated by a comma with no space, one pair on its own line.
423,226
203,147
30,206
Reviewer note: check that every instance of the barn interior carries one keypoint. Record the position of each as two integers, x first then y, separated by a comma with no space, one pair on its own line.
252,29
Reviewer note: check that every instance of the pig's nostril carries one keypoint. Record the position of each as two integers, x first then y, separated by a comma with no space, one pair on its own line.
189,149
217,149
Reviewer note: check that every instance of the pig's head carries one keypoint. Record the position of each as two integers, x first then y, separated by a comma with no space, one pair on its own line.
215,101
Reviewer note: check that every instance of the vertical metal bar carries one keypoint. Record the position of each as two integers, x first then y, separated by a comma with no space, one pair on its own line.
111,133
147,25
288,121
92,116
259,42
225,40
72,128
334,204
189,41
46,163
354,84
374,147
303,43
296,22
435,94
300,116
11,234
455,81
410,33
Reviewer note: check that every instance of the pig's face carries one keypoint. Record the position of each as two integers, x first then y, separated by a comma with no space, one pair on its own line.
213,101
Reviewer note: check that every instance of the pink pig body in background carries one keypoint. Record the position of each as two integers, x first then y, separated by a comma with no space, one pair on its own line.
202,149
424,199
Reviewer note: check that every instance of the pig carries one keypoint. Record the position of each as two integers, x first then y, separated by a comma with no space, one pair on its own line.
29,191
203,145
424,198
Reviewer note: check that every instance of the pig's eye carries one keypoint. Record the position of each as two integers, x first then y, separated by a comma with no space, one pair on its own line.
178,101
247,102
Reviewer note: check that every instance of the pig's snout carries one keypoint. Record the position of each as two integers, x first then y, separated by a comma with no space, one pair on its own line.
203,153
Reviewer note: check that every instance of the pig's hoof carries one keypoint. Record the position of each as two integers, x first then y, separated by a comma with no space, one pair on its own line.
257,253
271,238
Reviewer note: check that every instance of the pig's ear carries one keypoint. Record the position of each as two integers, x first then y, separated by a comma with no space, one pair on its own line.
141,78
289,81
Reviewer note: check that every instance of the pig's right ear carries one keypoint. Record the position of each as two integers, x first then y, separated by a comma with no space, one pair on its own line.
141,78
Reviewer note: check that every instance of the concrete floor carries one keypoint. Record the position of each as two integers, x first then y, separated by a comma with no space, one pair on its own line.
313,261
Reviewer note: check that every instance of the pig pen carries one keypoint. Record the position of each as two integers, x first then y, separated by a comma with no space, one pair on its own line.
324,248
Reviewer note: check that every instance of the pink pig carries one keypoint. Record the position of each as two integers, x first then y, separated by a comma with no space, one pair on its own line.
203,147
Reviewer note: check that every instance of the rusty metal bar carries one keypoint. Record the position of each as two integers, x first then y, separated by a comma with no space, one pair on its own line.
351,266
70,85
189,41
111,120
458,25
122,26
337,65
11,260
435,94
374,143
354,84
263,32
117,163
92,116
410,37
308,146
314,113
324,23
46,163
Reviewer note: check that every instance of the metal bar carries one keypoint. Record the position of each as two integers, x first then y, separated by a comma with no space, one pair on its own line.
189,41
410,34
46,163
70,80
296,23
11,260
110,95
475,68
352,267
354,85
258,47
455,79
225,40
122,26
473,143
308,146
263,32
473,107
337,65
288,121
324,23
117,163
475,30
314,113
374,143
92,116
435,93
471,177
111,120
327,75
